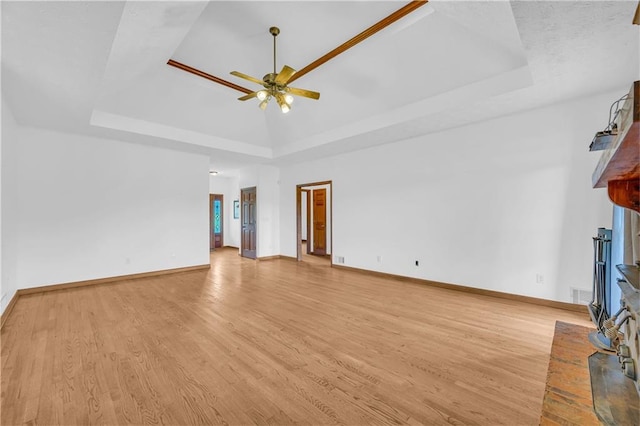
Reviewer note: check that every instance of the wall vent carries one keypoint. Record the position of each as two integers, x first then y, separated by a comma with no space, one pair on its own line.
581,296
338,259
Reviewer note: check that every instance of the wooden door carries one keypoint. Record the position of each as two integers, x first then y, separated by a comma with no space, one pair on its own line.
216,224
248,221
320,222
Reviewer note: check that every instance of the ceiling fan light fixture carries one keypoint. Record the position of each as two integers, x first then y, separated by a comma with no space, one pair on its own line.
288,98
261,95
263,104
282,103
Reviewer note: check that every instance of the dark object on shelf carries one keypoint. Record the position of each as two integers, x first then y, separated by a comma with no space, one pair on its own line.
602,140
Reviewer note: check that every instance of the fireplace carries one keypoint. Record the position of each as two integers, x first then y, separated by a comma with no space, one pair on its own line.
615,375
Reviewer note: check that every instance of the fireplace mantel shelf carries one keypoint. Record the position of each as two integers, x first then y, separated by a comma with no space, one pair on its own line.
619,166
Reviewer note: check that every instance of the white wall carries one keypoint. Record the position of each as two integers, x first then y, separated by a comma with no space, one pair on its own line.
496,205
4,297
266,179
490,205
80,208
8,193
228,186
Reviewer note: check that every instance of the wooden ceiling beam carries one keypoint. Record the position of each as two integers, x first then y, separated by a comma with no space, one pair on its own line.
400,13
207,76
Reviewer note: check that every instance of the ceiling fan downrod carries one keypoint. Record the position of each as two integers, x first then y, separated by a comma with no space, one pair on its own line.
274,32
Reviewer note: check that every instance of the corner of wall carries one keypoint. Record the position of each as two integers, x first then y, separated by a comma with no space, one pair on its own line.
7,233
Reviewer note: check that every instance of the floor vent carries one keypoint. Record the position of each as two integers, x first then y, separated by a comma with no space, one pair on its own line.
339,259
581,296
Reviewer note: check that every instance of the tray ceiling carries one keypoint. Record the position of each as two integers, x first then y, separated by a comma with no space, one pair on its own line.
100,68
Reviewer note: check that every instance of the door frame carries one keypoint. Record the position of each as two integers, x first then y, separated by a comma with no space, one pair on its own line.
308,218
299,217
212,197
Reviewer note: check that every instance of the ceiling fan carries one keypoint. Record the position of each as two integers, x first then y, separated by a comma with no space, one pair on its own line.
276,84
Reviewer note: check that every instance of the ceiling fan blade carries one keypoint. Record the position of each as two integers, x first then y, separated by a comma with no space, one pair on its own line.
203,74
303,92
247,97
283,76
247,77
385,22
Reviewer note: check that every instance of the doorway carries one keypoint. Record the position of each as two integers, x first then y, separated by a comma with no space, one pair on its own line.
248,222
314,234
216,221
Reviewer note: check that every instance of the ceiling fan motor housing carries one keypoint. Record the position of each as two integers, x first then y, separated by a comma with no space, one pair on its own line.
269,79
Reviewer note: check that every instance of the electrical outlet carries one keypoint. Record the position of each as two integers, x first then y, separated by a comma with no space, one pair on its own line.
339,259
379,258
539,278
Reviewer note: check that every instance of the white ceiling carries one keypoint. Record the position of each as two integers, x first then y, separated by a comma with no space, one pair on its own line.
99,68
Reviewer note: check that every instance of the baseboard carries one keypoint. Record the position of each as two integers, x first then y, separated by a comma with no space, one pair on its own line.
8,309
108,280
492,293
263,258
276,256
222,248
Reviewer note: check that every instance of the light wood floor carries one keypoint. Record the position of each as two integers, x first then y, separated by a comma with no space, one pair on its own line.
274,342
316,260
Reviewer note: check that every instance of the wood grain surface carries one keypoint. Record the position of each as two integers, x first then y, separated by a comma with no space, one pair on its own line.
275,342
567,397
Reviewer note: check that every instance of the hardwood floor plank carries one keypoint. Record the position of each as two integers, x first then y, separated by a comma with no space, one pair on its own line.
567,398
275,342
